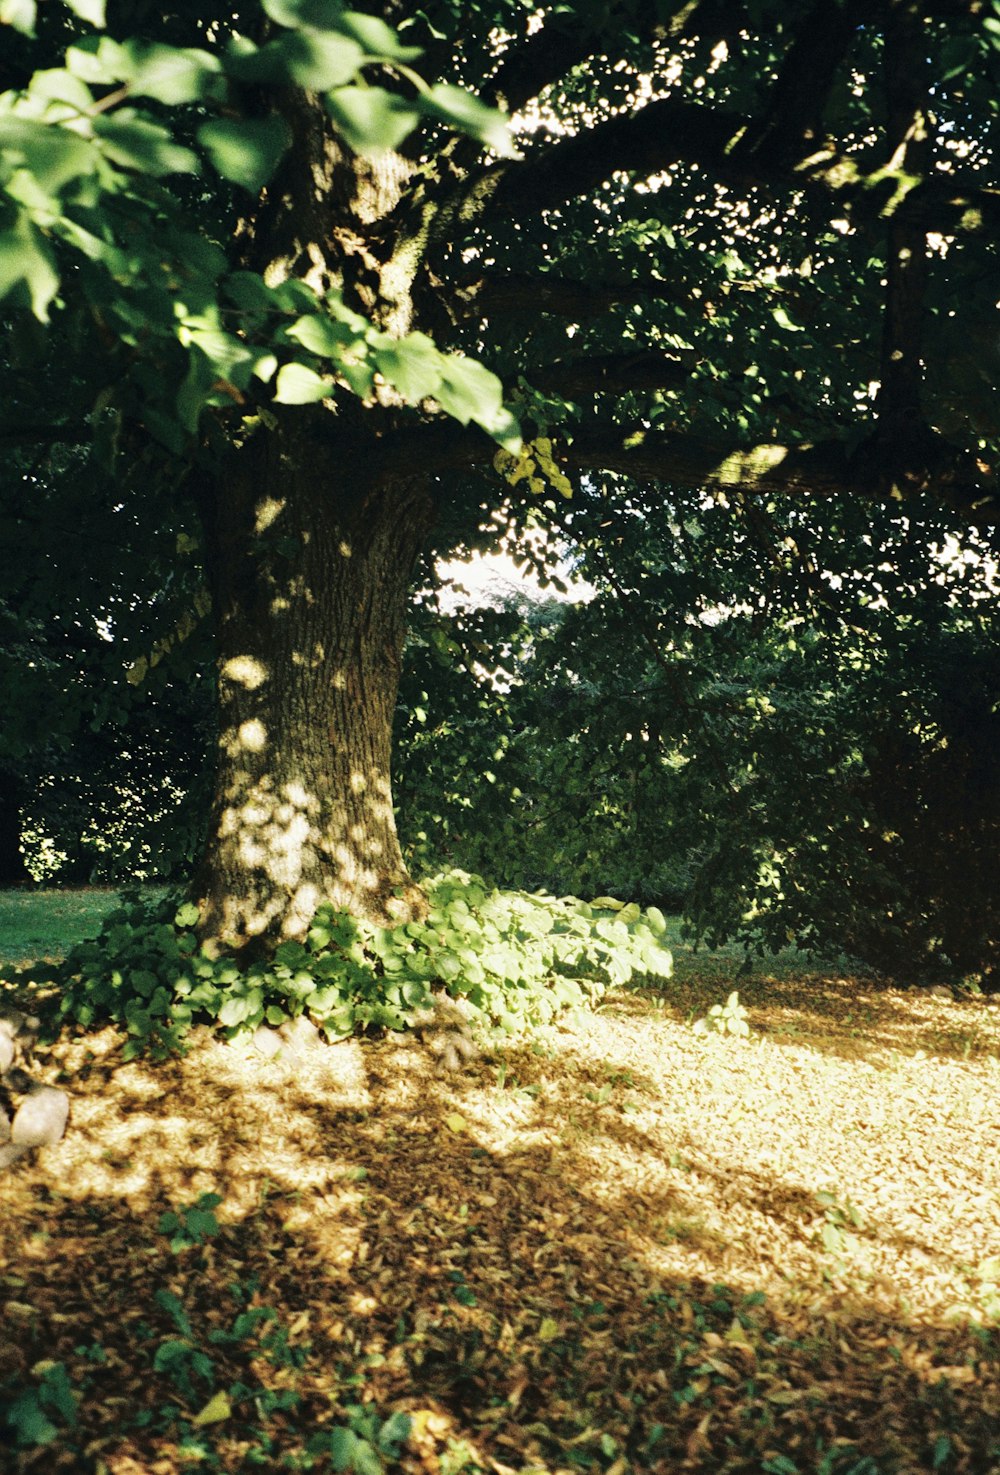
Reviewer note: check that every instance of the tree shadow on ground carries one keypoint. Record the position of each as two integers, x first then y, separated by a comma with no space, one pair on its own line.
541,1277
839,1014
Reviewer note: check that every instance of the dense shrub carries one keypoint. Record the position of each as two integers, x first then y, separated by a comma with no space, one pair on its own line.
516,959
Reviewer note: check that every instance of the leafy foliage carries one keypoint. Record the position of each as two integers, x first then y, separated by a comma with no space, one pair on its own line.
779,720
516,960
86,162
729,1018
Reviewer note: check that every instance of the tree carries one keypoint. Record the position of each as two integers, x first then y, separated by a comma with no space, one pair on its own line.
727,246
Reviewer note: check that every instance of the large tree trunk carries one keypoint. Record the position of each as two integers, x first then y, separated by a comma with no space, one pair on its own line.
310,562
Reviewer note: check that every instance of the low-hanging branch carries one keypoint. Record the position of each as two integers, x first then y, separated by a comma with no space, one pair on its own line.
668,132
545,291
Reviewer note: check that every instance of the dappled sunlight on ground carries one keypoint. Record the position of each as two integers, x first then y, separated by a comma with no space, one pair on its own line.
525,1251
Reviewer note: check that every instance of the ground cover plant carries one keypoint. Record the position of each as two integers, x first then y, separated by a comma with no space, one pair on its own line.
621,1245
512,959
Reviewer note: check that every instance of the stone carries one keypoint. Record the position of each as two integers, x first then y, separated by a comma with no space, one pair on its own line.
266,1042
941,991
299,1034
6,1050
40,1120
4,1127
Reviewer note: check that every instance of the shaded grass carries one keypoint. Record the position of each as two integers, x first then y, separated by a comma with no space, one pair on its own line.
46,923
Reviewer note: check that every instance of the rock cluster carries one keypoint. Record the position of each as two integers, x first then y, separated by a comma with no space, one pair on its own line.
31,1114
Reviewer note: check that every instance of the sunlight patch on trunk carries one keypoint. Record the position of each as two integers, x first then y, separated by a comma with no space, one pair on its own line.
246,671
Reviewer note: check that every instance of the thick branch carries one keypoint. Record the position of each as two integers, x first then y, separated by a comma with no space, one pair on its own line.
824,468
72,434
791,124
548,53
908,138
669,132
614,373
510,292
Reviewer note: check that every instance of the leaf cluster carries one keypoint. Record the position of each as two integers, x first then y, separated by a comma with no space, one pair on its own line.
516,960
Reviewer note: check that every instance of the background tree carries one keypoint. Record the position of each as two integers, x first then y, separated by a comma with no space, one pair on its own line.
728,245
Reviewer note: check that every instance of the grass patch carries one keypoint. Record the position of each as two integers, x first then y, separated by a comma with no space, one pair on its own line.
46,923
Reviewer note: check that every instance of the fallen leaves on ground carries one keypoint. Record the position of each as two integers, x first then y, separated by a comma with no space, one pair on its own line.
627,1247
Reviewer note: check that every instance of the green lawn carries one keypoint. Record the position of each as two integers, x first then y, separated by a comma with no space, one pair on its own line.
46,923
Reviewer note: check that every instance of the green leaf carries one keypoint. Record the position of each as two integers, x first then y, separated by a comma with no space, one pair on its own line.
375,37
412,365
170,74
321,62
186,915
26,259
298,385
464,111
342,1445
216,1410
31,1427
324,336
136,143
234,1011
20,14
469,391
91,11
366,1460
394,1433
53,154
784,321
371,120
246,152
657,921
942,1451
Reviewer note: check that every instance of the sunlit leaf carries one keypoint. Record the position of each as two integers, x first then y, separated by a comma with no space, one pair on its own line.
215,1411
463,111
297,384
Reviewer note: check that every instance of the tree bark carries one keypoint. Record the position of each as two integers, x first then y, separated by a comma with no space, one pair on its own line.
310,561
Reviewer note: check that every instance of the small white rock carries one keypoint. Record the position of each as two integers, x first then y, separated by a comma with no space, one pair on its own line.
299,1034
6,1050
40,1120
266,1042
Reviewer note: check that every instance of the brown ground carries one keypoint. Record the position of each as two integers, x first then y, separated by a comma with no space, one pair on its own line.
607,1252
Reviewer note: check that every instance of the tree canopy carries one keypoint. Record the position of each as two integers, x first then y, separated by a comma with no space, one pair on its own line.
288,266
